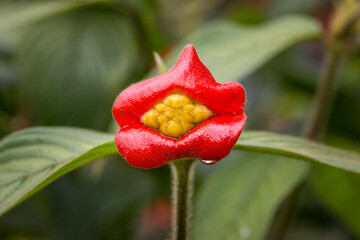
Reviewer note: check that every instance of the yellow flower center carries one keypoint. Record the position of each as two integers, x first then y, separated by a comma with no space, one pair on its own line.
175,115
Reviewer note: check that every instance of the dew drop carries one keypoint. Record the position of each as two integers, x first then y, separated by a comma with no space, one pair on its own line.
208,162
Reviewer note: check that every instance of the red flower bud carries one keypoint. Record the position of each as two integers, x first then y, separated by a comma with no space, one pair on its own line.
183,113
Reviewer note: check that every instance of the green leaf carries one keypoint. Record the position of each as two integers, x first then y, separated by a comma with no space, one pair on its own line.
19,15
33,158
240,199
105,205
73,66
340,192
298,148
232,52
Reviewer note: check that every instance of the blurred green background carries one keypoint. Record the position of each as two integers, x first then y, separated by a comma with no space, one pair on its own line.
67,68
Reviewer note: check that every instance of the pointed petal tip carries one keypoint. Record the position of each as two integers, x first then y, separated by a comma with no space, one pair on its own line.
189,46
188,56
189,49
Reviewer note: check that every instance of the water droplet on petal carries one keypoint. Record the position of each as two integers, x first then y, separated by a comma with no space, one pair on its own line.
208,162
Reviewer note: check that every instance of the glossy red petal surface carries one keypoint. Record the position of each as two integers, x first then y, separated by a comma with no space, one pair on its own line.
212,140
189,76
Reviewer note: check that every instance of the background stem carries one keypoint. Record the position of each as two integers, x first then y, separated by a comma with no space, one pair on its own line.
182,191
315,127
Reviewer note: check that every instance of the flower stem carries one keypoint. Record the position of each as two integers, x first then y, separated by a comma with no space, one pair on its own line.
182,172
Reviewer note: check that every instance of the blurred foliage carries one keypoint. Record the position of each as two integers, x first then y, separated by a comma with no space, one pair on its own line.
91,53
96,49
239,41
340,191
246,207
33,158
279,7
84,206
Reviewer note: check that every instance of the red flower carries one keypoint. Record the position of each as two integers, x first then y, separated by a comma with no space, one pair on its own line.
183,113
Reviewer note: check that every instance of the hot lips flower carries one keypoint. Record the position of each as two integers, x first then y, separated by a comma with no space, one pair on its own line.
183,113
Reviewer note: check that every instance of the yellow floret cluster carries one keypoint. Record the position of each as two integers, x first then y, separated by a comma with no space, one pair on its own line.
175,115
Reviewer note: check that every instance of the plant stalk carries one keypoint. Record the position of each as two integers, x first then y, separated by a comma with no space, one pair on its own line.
182,172
314,129
316,125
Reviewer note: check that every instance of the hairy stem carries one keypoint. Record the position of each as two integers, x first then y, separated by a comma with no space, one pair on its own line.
182,172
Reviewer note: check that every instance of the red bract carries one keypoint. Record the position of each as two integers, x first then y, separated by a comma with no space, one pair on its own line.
212,139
